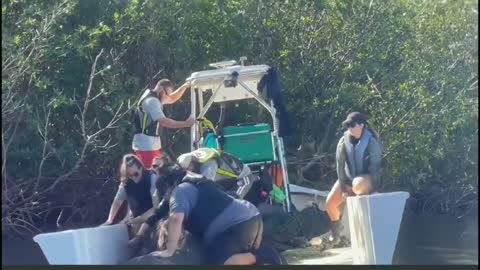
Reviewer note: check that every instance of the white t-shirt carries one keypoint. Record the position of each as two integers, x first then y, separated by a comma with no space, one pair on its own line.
153,107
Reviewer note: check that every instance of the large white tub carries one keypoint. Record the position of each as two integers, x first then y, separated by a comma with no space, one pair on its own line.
98,245
374,222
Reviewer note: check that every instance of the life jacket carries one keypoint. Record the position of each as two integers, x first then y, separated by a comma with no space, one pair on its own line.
211,202
357,156
138,194
143,121
228,165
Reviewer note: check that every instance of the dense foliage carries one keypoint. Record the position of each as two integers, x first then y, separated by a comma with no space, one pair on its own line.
72,69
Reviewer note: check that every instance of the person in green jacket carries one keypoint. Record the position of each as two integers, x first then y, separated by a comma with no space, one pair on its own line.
358,161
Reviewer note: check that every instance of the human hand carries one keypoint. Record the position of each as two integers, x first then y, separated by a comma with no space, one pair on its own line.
162,236
106,223
127,221
132,221
190,121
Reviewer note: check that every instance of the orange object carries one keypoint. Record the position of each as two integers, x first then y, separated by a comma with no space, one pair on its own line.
276,173
147,157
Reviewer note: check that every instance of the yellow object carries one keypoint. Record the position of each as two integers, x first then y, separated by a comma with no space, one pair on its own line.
205,123
204,155
226,173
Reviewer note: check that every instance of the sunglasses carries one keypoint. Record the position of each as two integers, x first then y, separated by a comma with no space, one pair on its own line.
134,175
155,166
352,125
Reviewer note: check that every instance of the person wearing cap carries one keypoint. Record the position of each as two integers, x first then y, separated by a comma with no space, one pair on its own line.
358,161
227,170
150,117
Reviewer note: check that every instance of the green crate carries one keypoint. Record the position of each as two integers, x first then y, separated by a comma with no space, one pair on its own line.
249,143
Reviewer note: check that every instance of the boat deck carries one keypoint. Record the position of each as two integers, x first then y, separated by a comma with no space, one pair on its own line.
314,256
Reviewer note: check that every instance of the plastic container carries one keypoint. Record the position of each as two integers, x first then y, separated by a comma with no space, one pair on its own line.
374,222
98,245
249,143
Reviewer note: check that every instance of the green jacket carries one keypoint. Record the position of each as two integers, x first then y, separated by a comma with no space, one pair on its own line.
371,161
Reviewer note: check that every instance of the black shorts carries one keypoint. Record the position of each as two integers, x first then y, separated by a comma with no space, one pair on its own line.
241,238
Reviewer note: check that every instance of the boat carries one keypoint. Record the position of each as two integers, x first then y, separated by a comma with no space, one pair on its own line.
375,218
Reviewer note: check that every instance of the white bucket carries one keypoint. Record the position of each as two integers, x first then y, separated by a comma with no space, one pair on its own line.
98,245
374,222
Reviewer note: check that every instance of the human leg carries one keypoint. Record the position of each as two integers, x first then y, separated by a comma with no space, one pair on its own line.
235,245
362,184
335,199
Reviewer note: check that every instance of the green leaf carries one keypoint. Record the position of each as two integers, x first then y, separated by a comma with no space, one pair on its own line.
17,40
270,24
421,91
105,29
307,20
284,53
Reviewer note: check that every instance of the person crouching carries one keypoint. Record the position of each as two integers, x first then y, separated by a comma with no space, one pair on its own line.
230,229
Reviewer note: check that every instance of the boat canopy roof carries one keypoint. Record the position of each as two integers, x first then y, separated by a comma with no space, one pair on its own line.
217,80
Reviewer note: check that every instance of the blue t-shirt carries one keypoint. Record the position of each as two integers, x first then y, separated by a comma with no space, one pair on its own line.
184,199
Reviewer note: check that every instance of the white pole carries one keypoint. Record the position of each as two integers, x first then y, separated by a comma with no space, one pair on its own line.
193,114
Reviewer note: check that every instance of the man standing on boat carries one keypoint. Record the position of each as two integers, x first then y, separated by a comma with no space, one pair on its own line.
150,117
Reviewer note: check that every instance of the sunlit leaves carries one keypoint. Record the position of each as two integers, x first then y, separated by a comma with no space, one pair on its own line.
406,63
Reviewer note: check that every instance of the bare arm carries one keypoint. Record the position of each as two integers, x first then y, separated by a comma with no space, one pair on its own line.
177,94
174,231
116,204
170,123
143,217
159,212
143,229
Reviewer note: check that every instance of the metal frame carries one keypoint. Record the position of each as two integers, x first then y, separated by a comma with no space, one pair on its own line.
277,142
